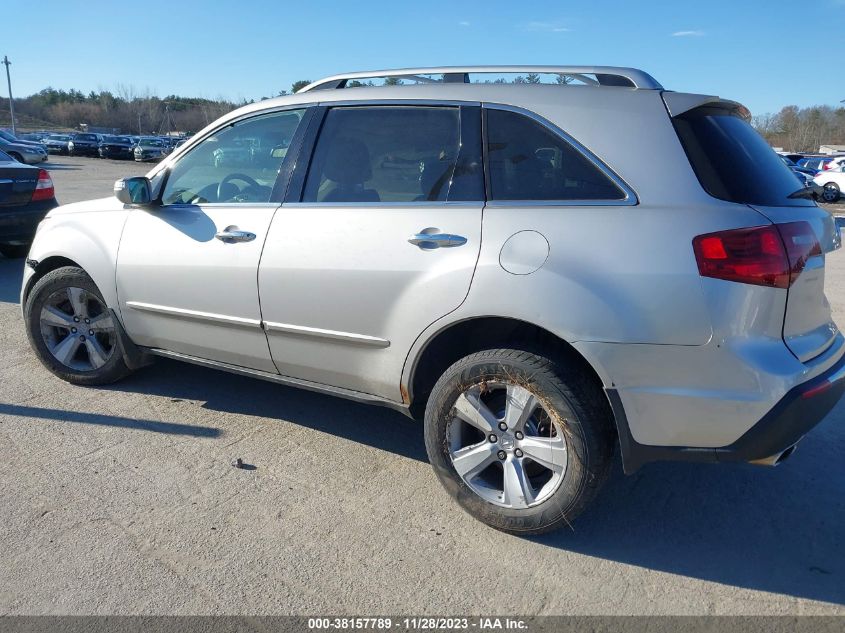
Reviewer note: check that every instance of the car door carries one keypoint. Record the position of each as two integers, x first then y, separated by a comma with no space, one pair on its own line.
377,239
187,266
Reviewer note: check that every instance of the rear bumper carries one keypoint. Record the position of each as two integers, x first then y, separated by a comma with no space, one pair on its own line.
19,224
795,415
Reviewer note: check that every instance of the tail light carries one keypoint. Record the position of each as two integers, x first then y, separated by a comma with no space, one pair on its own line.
825,166
771,255
44,189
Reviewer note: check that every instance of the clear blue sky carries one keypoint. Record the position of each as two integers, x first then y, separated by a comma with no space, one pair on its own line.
764,53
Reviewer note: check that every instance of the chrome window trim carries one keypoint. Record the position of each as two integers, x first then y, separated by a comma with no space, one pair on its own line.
432,103
387,205
220,205
629,200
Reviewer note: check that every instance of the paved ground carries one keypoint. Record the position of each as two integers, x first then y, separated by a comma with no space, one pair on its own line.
123,500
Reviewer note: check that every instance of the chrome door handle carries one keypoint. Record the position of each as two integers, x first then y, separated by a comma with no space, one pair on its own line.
429,241
231,234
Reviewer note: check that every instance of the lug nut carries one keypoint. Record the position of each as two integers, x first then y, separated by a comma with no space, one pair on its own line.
519,435
518,453
73,330
76,319
503,426
82,338
90,332
493,438
88,320
501,455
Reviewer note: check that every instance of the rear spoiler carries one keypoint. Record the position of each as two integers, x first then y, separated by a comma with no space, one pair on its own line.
679,102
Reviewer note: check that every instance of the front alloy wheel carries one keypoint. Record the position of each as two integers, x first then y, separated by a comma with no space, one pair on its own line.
77,329
71,329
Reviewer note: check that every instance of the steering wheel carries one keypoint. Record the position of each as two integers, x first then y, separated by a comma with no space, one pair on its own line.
242,177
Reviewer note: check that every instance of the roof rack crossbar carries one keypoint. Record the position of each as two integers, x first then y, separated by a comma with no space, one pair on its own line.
604,75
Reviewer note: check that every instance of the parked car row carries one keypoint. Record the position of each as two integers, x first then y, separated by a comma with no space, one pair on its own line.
827,172
35,147
23,151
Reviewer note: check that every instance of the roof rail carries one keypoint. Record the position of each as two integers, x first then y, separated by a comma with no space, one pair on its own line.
604,75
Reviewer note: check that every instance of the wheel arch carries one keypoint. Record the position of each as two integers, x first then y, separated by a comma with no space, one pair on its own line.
41,268
474,334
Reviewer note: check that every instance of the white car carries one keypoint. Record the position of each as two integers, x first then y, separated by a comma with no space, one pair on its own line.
832,181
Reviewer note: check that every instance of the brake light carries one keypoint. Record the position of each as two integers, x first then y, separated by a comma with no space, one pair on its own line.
771,255
44,189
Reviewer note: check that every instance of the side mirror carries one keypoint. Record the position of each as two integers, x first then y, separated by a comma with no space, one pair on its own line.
133,190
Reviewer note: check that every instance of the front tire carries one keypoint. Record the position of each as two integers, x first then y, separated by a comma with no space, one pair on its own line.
522,442
72,331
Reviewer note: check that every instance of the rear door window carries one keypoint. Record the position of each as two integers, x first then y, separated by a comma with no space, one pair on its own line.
732,161
385,154
528,161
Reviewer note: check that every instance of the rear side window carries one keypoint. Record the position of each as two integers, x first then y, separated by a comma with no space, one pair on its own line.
528,161
384,154
733,162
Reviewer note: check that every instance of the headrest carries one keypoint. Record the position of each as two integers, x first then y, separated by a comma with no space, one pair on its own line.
348,162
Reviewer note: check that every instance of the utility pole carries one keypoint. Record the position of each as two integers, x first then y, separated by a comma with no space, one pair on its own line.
139,124
7,63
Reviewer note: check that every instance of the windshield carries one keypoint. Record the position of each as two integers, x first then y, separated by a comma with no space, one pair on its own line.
150,142
732,161
58,137
6,135
4,157
86,137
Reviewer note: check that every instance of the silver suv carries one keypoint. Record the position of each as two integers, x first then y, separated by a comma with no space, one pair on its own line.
540,272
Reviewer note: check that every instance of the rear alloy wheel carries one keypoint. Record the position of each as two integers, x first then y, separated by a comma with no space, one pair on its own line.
830,192
71,329
523,443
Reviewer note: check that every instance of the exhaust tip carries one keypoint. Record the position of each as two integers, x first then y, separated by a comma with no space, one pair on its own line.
777,458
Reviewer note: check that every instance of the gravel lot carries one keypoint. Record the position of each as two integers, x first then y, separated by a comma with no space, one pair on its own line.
122,500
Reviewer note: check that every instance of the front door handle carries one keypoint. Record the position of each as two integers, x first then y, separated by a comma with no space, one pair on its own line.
429,241
232,234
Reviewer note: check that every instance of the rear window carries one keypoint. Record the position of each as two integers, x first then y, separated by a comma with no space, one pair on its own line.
527,161
733,162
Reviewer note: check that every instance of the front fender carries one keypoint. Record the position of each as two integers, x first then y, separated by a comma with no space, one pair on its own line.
90,239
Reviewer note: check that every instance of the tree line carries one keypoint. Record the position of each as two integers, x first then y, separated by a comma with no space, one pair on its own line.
125,109
803,129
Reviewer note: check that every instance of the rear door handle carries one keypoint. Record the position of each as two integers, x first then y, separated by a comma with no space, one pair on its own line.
232,234
429,241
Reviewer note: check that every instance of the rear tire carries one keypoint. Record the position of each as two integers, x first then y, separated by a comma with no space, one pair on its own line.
72,331
14,251
16,156
538,449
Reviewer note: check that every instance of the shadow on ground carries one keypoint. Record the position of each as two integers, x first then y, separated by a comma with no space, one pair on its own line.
780,530
50,166
374,426
99,419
